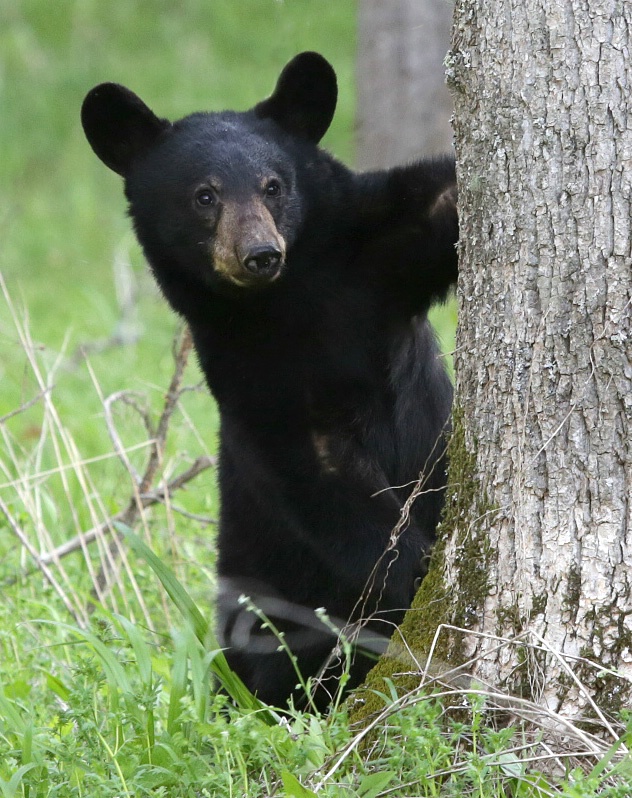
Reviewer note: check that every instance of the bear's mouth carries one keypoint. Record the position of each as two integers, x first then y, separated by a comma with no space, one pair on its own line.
247,274
263,262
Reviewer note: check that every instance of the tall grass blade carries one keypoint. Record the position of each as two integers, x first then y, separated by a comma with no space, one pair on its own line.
229,680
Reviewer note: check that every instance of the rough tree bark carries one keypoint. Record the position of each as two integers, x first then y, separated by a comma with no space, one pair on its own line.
404,105
537,538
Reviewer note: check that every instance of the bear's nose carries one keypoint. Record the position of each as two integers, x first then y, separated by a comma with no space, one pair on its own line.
263,259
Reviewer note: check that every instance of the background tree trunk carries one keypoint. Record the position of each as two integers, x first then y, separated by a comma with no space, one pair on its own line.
537,538
404,106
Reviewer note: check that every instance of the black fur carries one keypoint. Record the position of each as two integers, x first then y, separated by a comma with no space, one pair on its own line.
331,392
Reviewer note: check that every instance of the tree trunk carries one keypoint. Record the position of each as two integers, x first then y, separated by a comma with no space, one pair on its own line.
536,542
404,105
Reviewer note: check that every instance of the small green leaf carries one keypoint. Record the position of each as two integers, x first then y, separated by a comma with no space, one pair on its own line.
294,788
55,684
141,649
9,789
373,784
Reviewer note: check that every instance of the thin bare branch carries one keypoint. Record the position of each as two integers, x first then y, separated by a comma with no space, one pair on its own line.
25,406
41,566
126,516
141,485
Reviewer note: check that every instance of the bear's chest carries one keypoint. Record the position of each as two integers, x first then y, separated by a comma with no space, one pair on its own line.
298,359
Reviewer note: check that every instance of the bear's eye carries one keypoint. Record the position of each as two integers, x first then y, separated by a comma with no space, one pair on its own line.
205,197
273,189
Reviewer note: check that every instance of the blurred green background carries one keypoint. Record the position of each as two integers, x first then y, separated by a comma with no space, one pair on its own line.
66,245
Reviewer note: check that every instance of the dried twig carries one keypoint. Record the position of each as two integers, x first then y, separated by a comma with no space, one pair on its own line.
127,329
40,565
142,494
25,406
125,517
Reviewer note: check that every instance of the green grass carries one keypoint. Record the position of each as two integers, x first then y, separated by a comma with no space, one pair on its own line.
115,697
115,711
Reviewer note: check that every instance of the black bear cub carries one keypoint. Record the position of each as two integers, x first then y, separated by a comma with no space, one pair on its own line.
306,288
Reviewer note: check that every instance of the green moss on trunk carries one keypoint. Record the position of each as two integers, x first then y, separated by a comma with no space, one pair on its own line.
462,531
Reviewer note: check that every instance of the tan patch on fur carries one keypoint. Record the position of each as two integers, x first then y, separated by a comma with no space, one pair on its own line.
240,228
322,450
447,199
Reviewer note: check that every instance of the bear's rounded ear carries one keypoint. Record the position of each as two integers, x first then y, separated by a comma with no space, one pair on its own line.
119,126
304,99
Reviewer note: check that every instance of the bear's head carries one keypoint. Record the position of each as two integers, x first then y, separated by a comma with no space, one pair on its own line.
214,197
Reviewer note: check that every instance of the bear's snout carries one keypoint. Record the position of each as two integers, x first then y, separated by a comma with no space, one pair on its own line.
248,249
